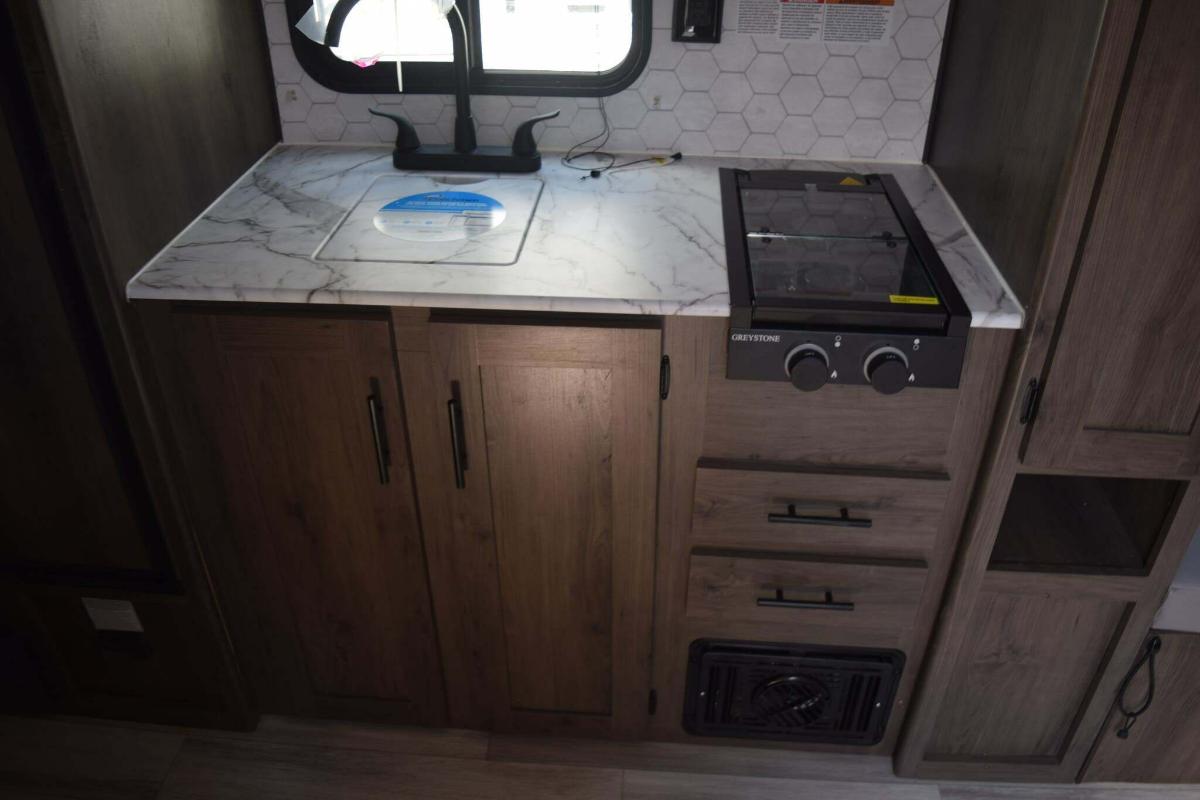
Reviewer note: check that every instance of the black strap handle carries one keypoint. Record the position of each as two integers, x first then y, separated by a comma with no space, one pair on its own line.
1153,645
828,604
842,521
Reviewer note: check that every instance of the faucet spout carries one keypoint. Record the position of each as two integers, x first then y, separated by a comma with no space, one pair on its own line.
464,123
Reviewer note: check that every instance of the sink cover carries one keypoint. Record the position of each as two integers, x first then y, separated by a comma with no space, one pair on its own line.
436,219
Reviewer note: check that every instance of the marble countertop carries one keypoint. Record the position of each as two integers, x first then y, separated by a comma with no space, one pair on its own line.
637,241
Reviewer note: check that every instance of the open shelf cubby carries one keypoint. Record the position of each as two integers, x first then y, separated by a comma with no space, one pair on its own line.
1084,524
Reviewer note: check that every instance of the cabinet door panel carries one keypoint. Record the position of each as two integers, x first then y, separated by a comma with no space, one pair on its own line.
553,527
1024,677
1123,391
329,553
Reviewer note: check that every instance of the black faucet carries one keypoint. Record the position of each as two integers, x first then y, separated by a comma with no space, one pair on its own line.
465,155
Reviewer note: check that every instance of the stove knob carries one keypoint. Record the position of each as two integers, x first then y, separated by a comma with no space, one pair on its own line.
808,367
886,369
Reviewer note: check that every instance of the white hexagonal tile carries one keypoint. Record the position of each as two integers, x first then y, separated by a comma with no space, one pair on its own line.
898,150
625,109
841,48
587,123
284,64
839,76
523,100
567,108
278,31
768,73
761,145
659,130
926,101
660,90
833,116
805,58
934,60
694,111
903,119
354,107
829,148
865,138
492,135
727,132
734,52
445,125
801,94
664,54
763,113
768,44
694,143
924,8
910,79
296,133
625,141
878,61
871,97
939,19
293,102
917,37
316,92
697,70
730,92
490,109
918,139
424,109
660,14
361,133
326,122
557,140
796,135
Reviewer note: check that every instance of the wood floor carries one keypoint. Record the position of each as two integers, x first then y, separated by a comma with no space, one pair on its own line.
308,760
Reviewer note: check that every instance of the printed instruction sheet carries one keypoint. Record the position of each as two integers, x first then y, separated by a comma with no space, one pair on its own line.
851,21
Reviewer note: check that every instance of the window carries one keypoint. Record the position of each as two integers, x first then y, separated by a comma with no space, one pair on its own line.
530,47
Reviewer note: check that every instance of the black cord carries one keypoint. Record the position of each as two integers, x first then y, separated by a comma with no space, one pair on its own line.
1131,715
608,161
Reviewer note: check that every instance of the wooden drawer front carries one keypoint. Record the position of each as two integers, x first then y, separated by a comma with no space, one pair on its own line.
860,596
884,517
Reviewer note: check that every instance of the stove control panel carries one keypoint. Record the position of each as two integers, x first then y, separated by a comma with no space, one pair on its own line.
810,360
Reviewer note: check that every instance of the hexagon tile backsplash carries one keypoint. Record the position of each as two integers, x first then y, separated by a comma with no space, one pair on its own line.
747,95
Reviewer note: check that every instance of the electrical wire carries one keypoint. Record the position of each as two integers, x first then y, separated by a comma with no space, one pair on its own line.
1131,715
608,161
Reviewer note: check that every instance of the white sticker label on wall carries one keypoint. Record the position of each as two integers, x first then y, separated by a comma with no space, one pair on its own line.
112,615
440,216
848,21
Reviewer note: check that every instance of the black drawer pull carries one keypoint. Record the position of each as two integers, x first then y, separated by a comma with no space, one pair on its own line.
828,604
843,521
458,447
378,437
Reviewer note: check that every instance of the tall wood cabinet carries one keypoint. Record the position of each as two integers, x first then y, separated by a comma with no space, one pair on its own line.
1089,496
309,519
535,450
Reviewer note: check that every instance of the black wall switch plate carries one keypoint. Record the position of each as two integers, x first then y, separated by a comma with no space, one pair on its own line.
697,21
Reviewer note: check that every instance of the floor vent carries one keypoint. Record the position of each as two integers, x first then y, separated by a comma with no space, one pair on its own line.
792,692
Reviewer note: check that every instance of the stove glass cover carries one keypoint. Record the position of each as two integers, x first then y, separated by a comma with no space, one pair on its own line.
831,243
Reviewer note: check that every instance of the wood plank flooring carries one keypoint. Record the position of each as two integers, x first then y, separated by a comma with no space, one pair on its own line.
74,759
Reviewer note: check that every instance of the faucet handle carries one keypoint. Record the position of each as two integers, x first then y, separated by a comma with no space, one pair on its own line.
523,144
406,135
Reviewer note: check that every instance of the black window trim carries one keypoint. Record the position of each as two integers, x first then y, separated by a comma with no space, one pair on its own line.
437,78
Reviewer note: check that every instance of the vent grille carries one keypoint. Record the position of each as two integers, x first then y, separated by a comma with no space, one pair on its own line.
838,695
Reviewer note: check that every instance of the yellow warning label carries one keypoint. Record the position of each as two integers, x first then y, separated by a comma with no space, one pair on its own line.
911,299
848,181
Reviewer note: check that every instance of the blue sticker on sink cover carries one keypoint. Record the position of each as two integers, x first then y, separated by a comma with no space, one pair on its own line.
440,216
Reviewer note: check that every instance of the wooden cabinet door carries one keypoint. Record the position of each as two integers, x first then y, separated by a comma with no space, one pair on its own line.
541,546
318,560
1021,684
1123,389
1163,745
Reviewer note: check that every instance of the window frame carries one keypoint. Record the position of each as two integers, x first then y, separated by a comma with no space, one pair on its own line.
430,77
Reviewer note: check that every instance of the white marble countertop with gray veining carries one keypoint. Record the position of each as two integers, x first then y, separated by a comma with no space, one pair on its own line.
637,241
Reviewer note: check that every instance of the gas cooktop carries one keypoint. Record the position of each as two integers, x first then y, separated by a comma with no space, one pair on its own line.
832,279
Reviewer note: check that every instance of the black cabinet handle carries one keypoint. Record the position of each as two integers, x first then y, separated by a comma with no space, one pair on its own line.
843,521
828,604
375,411
458,448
